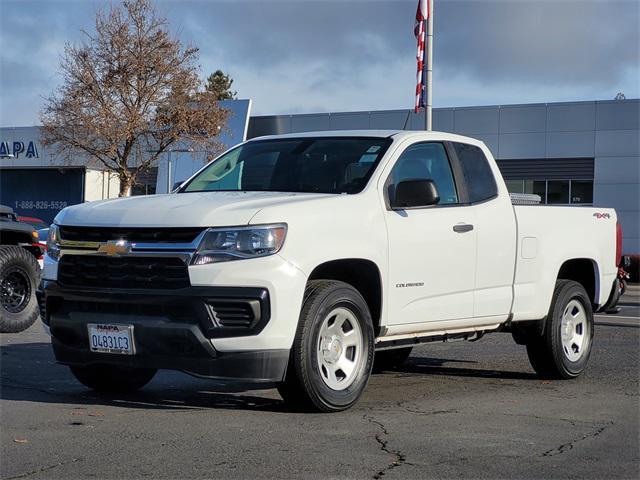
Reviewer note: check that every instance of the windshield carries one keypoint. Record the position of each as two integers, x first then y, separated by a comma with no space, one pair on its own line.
312,165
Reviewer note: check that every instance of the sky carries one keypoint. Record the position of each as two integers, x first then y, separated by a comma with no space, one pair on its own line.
319,56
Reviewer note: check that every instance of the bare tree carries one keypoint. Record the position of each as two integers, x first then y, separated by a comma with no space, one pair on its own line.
129,92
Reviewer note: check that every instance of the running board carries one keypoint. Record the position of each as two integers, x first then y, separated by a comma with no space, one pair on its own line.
399,341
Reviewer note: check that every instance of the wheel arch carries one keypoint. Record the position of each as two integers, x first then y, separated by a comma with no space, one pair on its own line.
584,271
363,274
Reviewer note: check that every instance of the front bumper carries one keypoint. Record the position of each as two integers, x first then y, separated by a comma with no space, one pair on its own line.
172,329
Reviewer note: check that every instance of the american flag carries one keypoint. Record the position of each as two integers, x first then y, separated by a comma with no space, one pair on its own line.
420,31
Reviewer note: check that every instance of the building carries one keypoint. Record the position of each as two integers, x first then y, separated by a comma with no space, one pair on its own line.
578,153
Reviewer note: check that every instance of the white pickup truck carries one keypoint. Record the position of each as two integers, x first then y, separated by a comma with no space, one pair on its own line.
296,259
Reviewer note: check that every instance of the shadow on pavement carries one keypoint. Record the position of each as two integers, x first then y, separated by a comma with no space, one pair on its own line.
435,366
29,373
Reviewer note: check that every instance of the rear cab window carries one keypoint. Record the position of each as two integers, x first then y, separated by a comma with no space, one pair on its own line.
478,176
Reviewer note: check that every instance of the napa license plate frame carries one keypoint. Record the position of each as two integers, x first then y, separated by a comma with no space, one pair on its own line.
111,338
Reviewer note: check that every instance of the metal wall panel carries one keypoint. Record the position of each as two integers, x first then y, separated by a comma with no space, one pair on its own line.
269,125
630,221
476,120
523,119
309,123
630,245
617,143
618,115
442,120
621,196
522,145
570,144
416,120
571,117
617,169
391,119
349,121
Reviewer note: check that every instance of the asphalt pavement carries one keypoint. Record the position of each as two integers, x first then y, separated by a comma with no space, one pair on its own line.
459,410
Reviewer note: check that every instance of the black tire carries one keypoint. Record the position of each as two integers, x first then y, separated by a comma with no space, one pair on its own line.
304,387
19,278
546,352
389,359
112,379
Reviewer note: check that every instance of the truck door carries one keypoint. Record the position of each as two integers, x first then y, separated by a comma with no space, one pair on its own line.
432,250
495,227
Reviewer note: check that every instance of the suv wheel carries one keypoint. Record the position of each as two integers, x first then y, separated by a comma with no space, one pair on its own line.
107,378
19,278
563,350
332,353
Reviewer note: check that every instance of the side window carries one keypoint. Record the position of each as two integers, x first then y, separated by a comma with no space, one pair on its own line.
427,161
481,184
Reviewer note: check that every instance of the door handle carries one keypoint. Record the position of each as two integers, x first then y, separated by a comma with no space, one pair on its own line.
462,228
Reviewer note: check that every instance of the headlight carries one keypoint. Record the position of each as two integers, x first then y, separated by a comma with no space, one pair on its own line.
225,244
53,242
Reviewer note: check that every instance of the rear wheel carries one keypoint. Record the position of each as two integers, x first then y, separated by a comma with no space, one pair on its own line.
19,278
107,378
388,359
332,352
563,350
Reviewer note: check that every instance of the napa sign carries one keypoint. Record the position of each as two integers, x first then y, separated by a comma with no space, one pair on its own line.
15,149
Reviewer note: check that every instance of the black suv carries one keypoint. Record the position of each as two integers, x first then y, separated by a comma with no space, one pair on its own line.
19,273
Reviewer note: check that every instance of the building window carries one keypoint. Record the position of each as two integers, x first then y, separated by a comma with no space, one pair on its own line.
515,186
582,192
536,187
558,192
555,192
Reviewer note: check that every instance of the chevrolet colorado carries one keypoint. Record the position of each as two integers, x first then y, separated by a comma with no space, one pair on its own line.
295,259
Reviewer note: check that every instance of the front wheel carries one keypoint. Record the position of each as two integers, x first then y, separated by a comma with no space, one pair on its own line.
332,352
563,350
107,378
19,277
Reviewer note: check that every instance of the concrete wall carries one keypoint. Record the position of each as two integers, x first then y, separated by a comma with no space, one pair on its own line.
607,131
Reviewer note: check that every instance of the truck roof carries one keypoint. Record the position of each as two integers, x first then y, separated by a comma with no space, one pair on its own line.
396,134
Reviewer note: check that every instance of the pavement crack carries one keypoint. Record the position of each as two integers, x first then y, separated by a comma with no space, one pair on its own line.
429,412
45,468
399,458
565,447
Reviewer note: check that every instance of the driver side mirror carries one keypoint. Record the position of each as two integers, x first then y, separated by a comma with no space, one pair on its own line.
414,193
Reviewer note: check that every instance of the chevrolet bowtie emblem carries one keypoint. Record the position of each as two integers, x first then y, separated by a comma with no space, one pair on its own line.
115,247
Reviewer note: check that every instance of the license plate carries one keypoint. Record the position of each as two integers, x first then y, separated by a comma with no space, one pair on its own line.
111,339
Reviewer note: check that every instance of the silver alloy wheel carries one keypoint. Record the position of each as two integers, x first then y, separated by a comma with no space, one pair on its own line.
340,348
574,330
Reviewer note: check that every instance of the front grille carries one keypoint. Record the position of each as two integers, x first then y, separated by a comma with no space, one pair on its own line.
123,272
142,235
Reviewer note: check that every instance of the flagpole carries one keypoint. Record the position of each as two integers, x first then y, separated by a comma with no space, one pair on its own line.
429,67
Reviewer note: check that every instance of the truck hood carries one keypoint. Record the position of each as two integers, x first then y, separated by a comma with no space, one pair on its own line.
206,209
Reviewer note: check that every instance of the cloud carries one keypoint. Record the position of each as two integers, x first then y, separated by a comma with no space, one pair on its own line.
304,56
